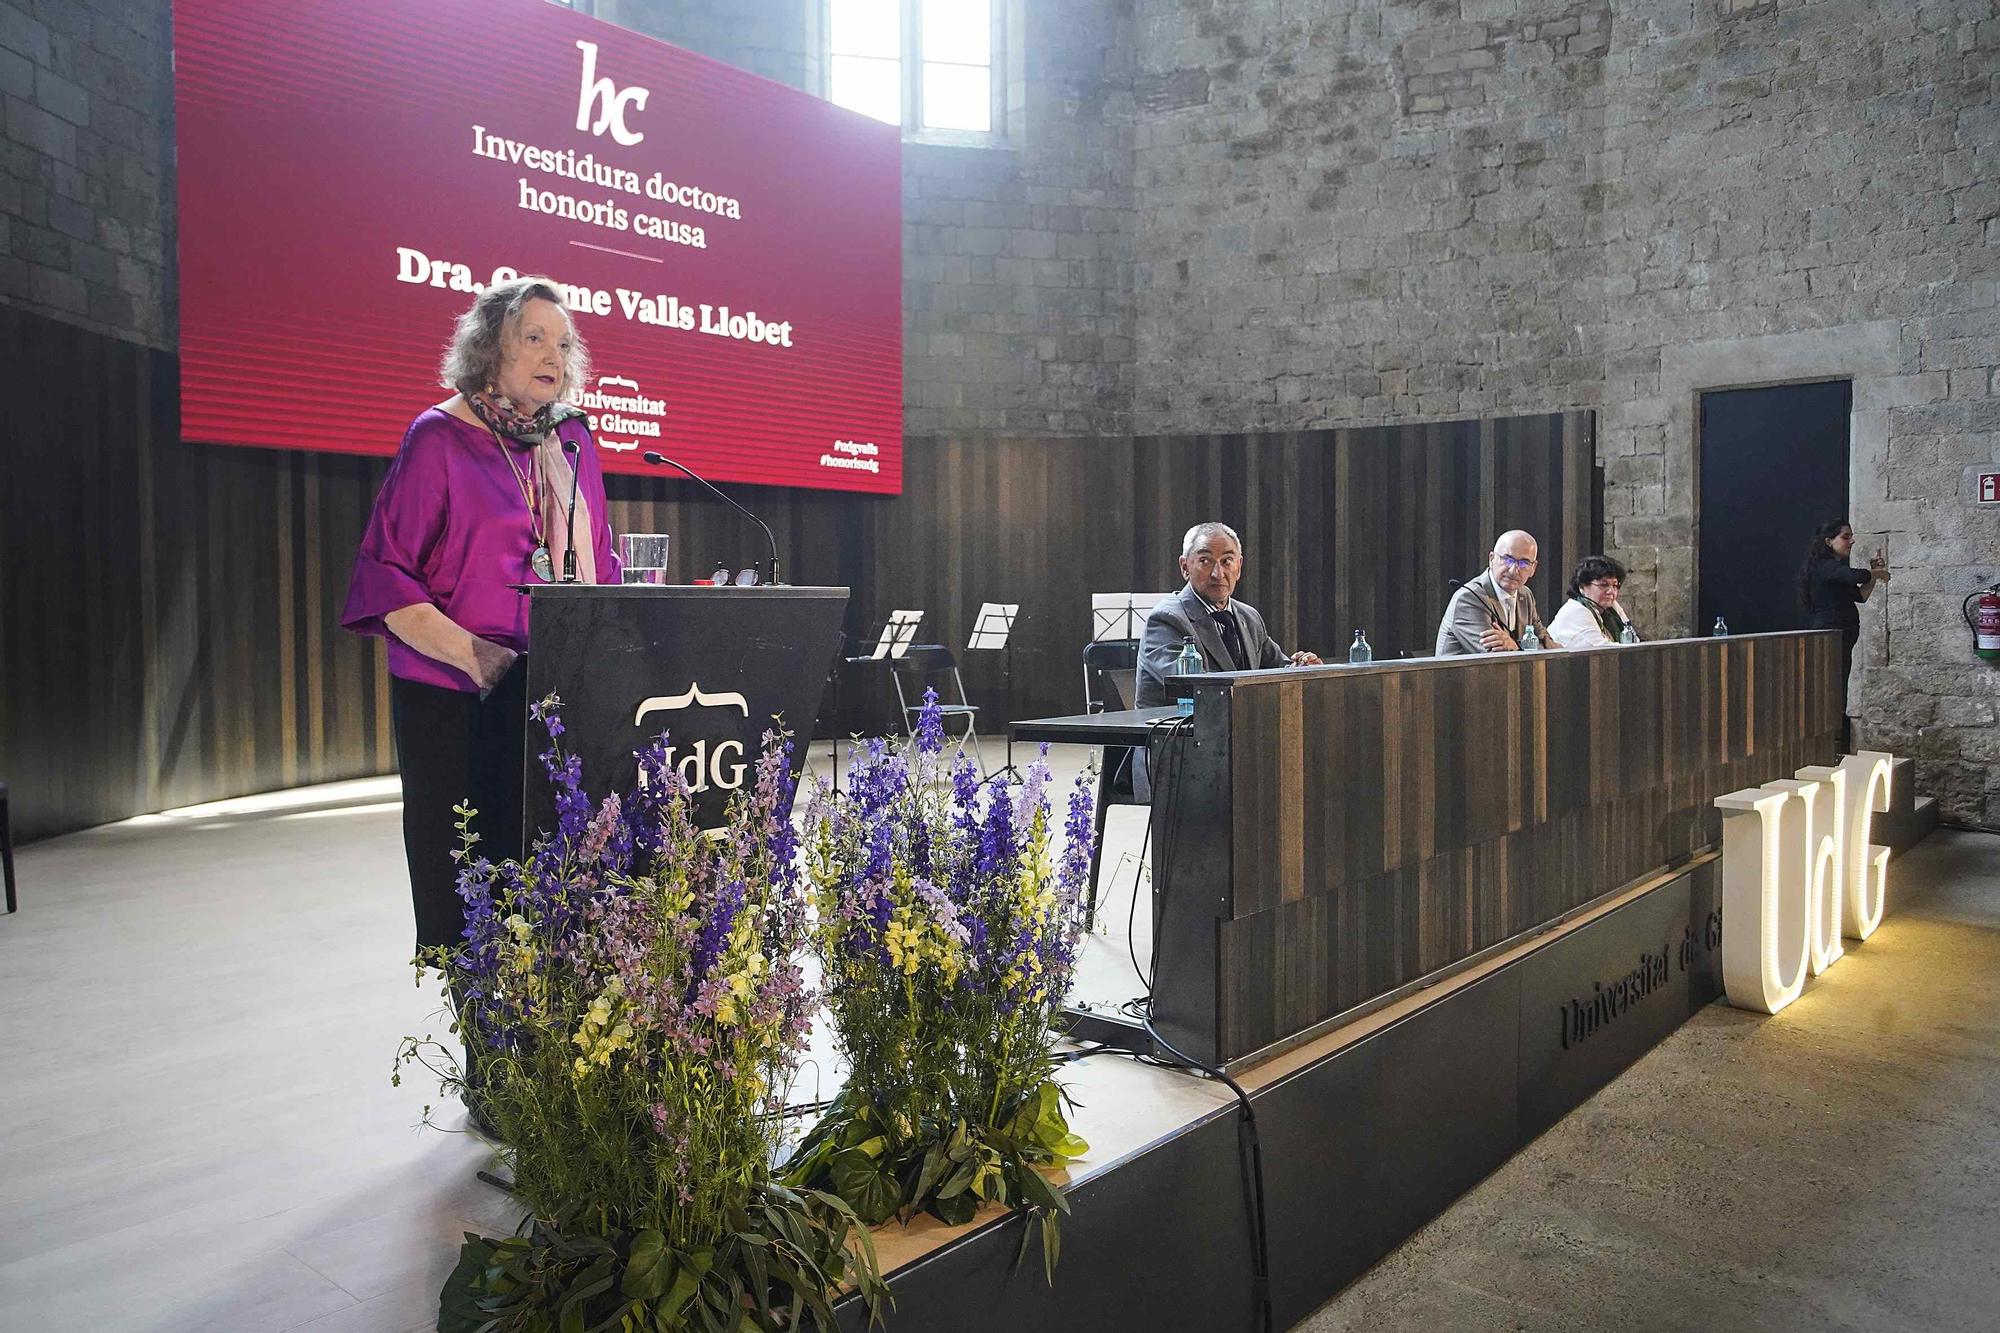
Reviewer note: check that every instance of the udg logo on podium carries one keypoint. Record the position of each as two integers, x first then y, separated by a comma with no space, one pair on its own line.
603,97
701,765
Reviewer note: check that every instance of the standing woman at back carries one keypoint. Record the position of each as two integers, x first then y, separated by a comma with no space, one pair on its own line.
1831,592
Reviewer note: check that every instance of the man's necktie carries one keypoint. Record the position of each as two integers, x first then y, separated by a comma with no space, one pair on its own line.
1232,638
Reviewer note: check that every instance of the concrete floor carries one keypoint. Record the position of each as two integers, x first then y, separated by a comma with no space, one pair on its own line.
1836,1166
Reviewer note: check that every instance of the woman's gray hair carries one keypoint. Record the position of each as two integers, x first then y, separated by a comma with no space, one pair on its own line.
472,361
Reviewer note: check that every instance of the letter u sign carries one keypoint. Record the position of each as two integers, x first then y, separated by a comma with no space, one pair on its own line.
1798,873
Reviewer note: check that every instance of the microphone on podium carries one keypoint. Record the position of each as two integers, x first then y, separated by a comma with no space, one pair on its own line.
575,475
658,459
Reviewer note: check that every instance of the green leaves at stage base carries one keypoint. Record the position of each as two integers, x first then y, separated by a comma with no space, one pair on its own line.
885,1167
775,1269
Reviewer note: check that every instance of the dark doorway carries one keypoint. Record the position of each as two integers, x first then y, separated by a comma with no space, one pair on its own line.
1773,468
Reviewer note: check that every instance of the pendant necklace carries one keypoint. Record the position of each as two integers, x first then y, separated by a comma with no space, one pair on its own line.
541,562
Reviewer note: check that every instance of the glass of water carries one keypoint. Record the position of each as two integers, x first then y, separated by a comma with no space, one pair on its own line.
644,555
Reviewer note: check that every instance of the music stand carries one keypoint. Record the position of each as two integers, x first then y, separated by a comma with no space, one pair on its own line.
892,638
896,635
993,632
1121,615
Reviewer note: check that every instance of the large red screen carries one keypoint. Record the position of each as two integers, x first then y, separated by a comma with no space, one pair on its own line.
351,172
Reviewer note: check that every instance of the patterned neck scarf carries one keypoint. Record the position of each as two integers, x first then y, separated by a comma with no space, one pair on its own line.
1610,622
504,418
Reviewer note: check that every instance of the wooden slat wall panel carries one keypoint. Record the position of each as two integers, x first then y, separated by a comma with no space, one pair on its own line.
167,610
1423,814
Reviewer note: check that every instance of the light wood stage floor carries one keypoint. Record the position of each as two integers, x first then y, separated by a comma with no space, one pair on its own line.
198,1017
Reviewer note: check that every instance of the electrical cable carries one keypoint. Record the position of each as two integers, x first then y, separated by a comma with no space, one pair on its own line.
1250,1150
1179,729
1168,740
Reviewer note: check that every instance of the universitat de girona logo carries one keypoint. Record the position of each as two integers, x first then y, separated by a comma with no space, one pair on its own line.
702,765
1798,873
621,416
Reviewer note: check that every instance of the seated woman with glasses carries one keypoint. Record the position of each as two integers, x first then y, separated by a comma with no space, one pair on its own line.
1492,613
1590,615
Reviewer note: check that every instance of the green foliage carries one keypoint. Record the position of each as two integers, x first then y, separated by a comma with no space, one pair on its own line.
636,1008
778,1260
946,932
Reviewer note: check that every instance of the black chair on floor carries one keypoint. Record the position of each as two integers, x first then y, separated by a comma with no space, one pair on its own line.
1104,659
7,847
931,665
1110,681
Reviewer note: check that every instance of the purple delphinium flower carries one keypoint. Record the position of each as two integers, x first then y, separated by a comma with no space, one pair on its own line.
716,930
930,724
997,849
1031,800
1079,832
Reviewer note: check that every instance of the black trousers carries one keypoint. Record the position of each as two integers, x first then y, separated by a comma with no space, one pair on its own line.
455,748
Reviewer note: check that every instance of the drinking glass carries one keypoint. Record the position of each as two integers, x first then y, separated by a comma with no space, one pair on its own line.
644,555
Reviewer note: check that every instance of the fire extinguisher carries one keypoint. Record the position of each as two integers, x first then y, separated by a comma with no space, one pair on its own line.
1982,616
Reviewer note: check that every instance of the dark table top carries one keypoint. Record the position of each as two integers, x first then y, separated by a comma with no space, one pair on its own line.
1130,726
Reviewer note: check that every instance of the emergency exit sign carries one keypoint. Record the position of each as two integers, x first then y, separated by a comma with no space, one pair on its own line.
1989,488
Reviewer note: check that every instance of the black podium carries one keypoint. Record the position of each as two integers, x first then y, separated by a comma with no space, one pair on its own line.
712,667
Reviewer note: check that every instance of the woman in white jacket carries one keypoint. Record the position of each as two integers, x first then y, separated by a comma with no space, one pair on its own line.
1590,615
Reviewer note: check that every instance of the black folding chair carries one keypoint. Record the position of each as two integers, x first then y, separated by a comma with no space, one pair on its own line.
1103,661
931,665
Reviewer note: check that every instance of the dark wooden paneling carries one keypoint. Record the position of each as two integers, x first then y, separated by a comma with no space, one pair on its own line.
168,610
1390,822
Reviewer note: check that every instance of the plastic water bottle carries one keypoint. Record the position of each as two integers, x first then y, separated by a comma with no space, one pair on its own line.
1719,629
1531,642
1628,634
1187,664
1359,652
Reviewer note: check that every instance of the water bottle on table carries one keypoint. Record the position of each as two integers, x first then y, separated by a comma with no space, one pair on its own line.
1188,663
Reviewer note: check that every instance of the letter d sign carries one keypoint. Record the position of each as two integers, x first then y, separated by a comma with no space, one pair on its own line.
603,97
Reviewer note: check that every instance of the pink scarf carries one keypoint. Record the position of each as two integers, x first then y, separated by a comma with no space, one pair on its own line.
552,472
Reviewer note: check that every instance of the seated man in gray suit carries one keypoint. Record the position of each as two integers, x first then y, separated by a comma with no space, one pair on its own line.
1230,633
1490,613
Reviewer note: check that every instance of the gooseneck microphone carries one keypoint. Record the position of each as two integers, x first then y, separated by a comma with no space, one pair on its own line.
575,475
658,459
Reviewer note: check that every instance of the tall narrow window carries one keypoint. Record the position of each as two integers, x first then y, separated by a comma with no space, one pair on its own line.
957,40
865,44
938,68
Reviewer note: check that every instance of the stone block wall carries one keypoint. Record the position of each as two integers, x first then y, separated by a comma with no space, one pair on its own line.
86,181
1017,260
1375,210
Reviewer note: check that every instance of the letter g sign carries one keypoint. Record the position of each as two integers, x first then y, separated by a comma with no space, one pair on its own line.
603,97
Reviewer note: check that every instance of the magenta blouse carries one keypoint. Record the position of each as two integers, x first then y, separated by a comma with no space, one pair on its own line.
450,528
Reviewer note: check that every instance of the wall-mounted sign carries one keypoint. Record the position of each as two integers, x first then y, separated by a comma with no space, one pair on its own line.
1798,873
1989,488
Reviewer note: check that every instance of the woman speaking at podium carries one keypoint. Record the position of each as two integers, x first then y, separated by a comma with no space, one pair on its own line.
476,503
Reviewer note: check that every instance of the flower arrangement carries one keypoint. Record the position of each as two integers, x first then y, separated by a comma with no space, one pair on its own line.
946,934
633,996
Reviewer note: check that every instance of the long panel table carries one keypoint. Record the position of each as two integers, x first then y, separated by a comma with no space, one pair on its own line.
1328,838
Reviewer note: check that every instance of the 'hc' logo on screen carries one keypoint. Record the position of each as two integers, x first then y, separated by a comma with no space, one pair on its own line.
603,97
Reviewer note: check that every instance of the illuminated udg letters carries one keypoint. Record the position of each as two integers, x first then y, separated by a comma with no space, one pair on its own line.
1798,872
